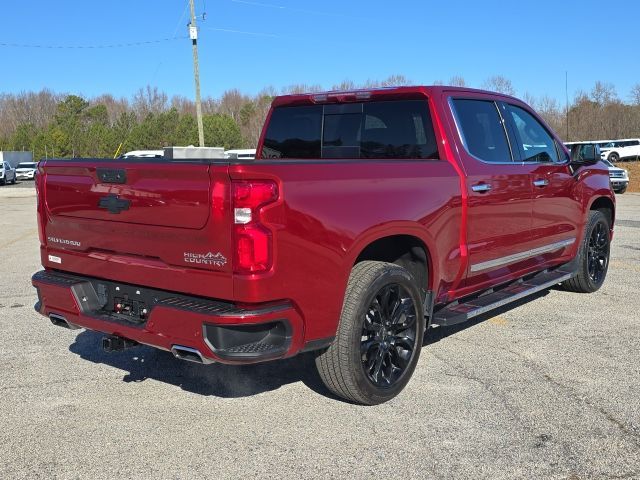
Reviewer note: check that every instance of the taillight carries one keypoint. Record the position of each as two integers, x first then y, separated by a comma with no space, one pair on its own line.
39,180
253,240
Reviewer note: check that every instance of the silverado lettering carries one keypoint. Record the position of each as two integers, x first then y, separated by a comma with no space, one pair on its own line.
367,218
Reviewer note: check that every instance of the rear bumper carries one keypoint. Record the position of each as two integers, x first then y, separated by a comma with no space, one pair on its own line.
219,331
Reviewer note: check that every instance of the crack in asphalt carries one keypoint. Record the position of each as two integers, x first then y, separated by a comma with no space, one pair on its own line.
540,439
539,369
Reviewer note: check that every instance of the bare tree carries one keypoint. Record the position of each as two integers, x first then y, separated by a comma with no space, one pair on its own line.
635,94
183,104
498,83
344,85
529,99
395,81
457,81
149,100
301,88
603,93
232,102
115,106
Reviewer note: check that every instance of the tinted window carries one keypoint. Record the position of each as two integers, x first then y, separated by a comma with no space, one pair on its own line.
534,142
394,129
482,130
294,132
341,131
398,130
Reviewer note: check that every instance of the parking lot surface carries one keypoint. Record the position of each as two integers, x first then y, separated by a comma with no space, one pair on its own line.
547,389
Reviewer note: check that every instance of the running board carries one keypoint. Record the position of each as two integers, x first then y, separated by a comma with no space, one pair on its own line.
461,312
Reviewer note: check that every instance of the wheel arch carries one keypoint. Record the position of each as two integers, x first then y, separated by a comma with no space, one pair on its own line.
606,206
406,247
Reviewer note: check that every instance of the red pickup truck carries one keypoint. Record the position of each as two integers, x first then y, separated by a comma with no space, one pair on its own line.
366,218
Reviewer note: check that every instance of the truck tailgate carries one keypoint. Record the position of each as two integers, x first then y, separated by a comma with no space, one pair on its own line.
169,222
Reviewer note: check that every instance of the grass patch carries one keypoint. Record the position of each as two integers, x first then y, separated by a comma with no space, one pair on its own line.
634,174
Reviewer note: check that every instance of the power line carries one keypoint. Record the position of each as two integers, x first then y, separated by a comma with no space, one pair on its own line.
113,45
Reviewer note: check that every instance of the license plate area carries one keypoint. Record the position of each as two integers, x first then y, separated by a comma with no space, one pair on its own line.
115,301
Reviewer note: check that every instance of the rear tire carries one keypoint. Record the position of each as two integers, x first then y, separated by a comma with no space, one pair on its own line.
593,256
379,336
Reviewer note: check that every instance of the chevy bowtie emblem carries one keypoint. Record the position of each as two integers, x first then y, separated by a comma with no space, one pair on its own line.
113,204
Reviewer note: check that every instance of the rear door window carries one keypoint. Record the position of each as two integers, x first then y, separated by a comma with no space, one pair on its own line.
482,130
397,130
372,130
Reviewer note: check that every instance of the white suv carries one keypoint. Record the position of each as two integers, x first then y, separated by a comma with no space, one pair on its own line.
619,177
26,170
625,149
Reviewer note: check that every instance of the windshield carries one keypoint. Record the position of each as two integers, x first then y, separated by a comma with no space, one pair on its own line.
26,165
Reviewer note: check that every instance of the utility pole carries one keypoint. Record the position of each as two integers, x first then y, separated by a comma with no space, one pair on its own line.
566,98
193,34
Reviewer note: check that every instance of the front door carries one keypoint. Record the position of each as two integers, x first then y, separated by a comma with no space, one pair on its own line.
557,210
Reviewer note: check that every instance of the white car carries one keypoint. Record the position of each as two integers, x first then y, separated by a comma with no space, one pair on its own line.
26,170
241,154
619,177
7,173
625,149
143,154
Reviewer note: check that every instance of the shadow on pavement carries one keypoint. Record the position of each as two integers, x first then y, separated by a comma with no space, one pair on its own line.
228,381
218,380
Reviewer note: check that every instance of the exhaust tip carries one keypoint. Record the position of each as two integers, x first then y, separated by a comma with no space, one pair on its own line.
189,354
60,321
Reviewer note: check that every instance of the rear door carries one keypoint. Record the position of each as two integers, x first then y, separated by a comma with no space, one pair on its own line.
499,191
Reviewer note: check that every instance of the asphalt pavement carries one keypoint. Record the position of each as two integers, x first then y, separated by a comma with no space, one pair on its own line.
549,388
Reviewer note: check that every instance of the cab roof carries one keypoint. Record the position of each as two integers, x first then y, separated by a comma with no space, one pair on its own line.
366,94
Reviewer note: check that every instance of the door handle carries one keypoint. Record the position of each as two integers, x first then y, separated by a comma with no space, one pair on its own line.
541,182
481,187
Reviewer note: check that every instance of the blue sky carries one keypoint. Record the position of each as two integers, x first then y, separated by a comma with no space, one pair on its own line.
321,42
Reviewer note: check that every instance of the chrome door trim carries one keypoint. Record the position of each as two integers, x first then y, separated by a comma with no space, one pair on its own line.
516,257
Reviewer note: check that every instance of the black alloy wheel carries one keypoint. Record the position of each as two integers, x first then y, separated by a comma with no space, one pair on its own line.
379,336
592,261
598,253
388,336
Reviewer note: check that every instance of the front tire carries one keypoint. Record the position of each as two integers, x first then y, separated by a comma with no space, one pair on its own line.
621,190
593,256
614,157
379,336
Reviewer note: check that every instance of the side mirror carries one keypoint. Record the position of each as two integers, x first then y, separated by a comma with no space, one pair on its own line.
585,154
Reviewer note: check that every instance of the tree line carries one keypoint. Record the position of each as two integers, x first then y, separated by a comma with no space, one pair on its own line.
65,125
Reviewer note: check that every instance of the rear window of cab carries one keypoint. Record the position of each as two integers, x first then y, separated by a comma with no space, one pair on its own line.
369,130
